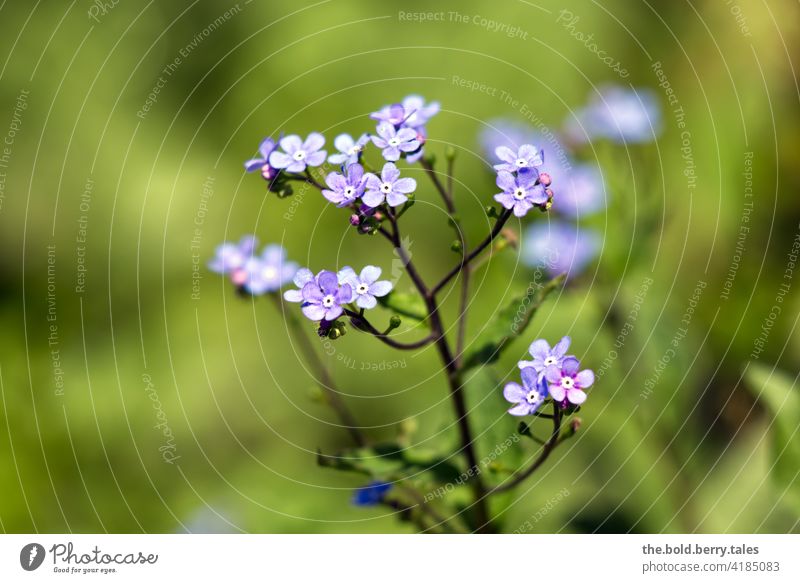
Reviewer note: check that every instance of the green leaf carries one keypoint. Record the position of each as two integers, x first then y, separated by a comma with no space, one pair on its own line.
409,305
510,322
780,395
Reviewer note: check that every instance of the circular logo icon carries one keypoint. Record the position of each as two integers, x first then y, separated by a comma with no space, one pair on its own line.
31,556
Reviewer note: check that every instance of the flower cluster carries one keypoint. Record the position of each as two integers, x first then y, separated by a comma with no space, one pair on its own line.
251,273
552,373
518,177
323,296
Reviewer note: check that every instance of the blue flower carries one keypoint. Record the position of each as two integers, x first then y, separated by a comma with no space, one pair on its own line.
526,157
520,192
268,272
529,396
559,247
345,189
411,113
393,142
230,258
581,191
301,278
372,494
389,187
618,114
323,297
566,383
366,287
297,154
255,274
265,149
544,356
349,150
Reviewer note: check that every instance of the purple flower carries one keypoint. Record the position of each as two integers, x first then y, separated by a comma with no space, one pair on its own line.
412,113
345,189
323,297
526,157
349,150
371,494
520,192
265,149
268,272
559,247
417,112
366,287
581,191
528,397
619,114
298,154
566,383
544,356
301,278
230,258
393,142
389,187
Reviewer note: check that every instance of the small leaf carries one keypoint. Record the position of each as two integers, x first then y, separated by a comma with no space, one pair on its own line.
409,305
509,323
780,394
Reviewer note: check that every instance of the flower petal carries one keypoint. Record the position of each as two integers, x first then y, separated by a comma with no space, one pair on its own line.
291,144
366,301
557,392
311,292
336,181
553,374
343,143
328,282
505,199
303,276
313,142
333,313
531,154
280,160
561,348
584,379
254,164
390,173
293,295
507,155
373,198
380,288
347,275
506,181
570,365
406,135
576,396
395,198
520,410
405,185
313,311
266,146
539,349
514,393
317,158
521,208
370,274
344,294
530,378
385,130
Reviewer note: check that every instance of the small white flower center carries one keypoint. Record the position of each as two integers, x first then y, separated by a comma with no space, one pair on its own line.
362,288
394,142
354,150
349,191
533,397
299,155
567,382
270,272
522,162
386,187
328,301
550,360
519,193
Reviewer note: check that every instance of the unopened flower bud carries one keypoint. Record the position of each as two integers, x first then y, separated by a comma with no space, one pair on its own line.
544,179
456,247
355,220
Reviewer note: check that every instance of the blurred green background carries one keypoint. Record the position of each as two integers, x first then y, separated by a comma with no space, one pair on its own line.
705,452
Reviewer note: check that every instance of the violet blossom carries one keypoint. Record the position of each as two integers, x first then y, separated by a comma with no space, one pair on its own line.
366,287
297,154
388,187
529,396
566,383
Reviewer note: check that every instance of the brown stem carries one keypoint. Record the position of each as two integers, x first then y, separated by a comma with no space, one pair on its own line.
547,449
467,258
